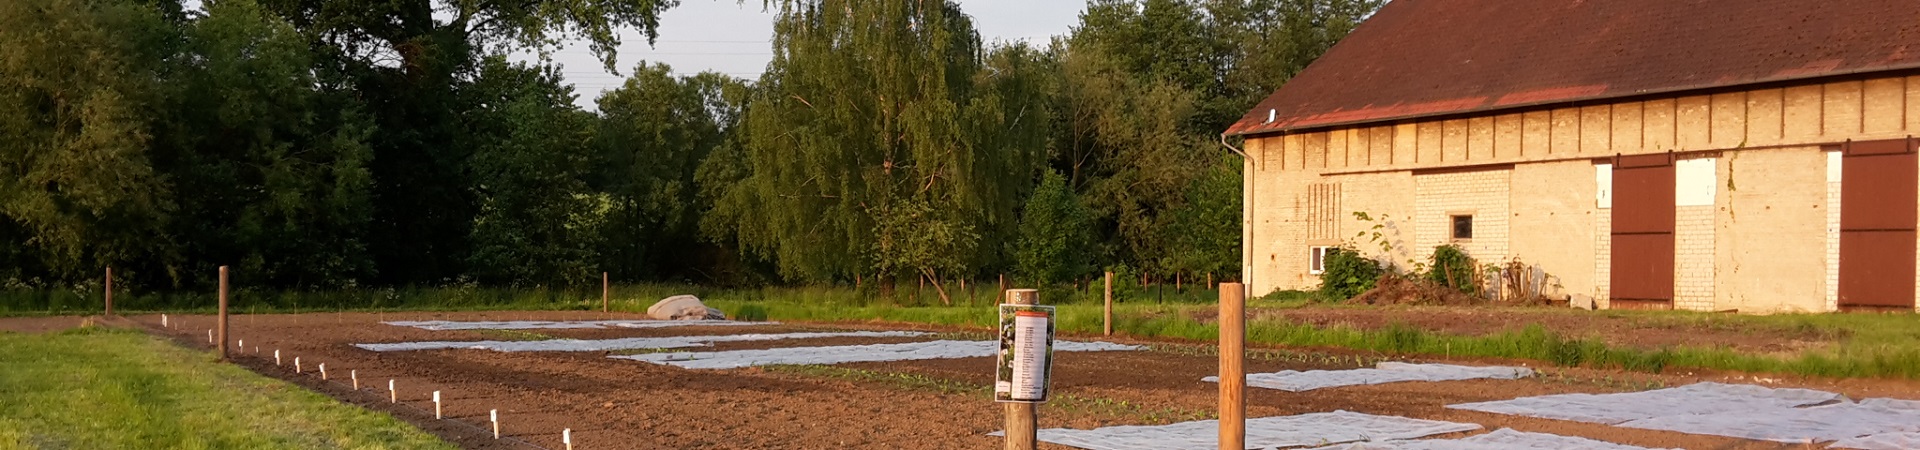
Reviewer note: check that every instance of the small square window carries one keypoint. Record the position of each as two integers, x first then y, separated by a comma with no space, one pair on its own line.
1317,260
1463,227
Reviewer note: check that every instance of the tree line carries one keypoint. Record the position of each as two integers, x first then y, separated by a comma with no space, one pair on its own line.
319,144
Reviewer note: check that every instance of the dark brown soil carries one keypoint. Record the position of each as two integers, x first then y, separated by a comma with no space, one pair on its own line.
612,403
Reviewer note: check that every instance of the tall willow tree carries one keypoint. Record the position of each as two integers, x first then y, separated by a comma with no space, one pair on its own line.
881,144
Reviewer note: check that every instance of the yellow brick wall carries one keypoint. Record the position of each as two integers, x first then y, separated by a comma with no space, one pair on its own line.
1602,256
1832,286
1393,213
1772,231
1553,207
1482,194
1693,260
1750,271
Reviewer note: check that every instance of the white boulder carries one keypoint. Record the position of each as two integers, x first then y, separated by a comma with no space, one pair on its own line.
684,307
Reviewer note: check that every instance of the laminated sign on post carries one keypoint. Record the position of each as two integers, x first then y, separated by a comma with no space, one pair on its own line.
1026,353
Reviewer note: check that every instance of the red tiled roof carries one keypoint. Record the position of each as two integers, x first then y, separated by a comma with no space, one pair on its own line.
1417,58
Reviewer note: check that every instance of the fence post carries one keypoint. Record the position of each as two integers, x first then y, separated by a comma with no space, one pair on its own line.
1109,320
606,291
223,313
1022,419
1233,378
109,291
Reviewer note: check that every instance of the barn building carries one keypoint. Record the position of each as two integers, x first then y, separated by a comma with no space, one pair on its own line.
1753,155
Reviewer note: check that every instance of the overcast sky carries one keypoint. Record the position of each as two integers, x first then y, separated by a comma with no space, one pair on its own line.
734,38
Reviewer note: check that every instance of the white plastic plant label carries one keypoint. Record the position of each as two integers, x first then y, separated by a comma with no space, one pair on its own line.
1026,353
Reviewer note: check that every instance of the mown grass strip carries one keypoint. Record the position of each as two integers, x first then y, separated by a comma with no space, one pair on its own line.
94,388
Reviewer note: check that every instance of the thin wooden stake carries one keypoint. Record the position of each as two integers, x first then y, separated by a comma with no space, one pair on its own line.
223,314
355,374
1109,316
393,396
494,416
606,292
323,371
1233,377
566,437
276,357
109,291
296,364
436,404
1022,419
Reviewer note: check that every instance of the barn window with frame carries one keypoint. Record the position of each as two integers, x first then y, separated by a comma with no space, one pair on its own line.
1462,227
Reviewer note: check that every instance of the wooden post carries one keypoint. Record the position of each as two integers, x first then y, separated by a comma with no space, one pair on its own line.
223,313
1233,377
109,291
606,291
1109,320
1022,418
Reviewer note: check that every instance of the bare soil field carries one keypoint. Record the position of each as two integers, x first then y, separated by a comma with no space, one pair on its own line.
931,404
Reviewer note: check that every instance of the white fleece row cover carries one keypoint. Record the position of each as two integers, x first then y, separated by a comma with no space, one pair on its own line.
1882,441
1692,399
1835,422
444,325
1262,433
1798,416
852,353
1501,439
601,345
1385,372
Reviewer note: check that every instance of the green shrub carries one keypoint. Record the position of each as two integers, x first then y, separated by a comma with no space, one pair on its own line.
1451,267
1346,274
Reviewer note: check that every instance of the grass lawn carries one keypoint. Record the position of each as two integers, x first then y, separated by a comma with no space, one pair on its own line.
95,388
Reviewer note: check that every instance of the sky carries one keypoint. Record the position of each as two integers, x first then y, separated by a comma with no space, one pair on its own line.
735,38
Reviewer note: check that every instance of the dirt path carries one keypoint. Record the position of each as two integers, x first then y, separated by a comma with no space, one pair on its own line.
934,404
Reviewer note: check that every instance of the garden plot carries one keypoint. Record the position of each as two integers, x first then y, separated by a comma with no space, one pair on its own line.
1501,439
1385,372
601,345
444,325
1262,433
852,353
1740,411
